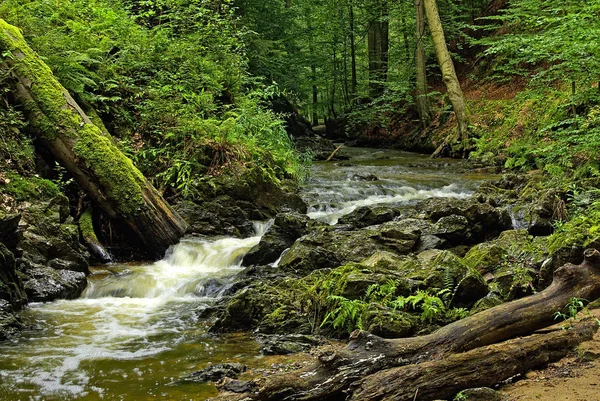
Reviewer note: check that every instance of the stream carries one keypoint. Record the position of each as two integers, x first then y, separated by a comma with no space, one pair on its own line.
135,332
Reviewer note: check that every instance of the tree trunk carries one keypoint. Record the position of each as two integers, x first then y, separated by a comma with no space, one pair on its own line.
448,75
378,46
422,100
481,367
98,166
338,372
352,49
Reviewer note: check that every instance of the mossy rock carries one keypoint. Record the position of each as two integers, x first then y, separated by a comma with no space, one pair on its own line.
29,188
286,228
514,282
448,271
370,215
487,302
388,323
11,287
485,257
328,247
489,256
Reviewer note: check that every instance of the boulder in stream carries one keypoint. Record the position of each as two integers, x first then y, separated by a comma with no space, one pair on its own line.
286,228
217,372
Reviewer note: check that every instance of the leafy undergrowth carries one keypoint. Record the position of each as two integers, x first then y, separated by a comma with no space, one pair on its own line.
169,81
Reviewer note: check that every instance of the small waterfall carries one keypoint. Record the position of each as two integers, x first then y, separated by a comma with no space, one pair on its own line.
134,323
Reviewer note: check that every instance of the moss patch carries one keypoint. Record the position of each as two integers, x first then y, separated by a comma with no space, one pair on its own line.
29,188
115,172
50,112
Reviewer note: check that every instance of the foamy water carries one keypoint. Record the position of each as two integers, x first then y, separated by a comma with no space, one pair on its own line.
133,313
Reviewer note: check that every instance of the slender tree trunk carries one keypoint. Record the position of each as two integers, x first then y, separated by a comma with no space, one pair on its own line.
315,96
378,46
448,75
107,175
405,38
313,72
352,50
422,100
334,82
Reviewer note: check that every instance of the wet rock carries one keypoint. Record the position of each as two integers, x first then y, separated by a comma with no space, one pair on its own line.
217,372
388,323
370,215
483,220
364,177
8,229
11,287
218,217
481,394
320,148
286,228
453,228
289,343
329,247
9,322
238,386
43,284
429,241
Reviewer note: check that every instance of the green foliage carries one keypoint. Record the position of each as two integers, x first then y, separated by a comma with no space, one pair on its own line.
571,310
557,38
169,78
347,315
460,397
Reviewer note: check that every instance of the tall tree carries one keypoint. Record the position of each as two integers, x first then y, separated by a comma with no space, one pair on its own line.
378,47
354,81
448,75
421,90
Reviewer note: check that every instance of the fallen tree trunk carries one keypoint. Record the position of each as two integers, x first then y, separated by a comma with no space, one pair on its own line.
337,371
98,166
481,367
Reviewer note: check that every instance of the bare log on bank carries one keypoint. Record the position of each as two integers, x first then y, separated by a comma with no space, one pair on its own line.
337,374
99,167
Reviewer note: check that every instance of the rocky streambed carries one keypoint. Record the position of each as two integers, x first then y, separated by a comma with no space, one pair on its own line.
391,242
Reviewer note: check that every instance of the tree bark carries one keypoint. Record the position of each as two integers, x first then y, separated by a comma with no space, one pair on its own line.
378,47
422,100
481,367
337,372
448,75
352,49
99,167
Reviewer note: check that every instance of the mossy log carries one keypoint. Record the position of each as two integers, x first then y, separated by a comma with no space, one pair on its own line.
99,167
337,373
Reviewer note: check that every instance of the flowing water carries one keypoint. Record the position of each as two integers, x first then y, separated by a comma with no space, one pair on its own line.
135,332
382,176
